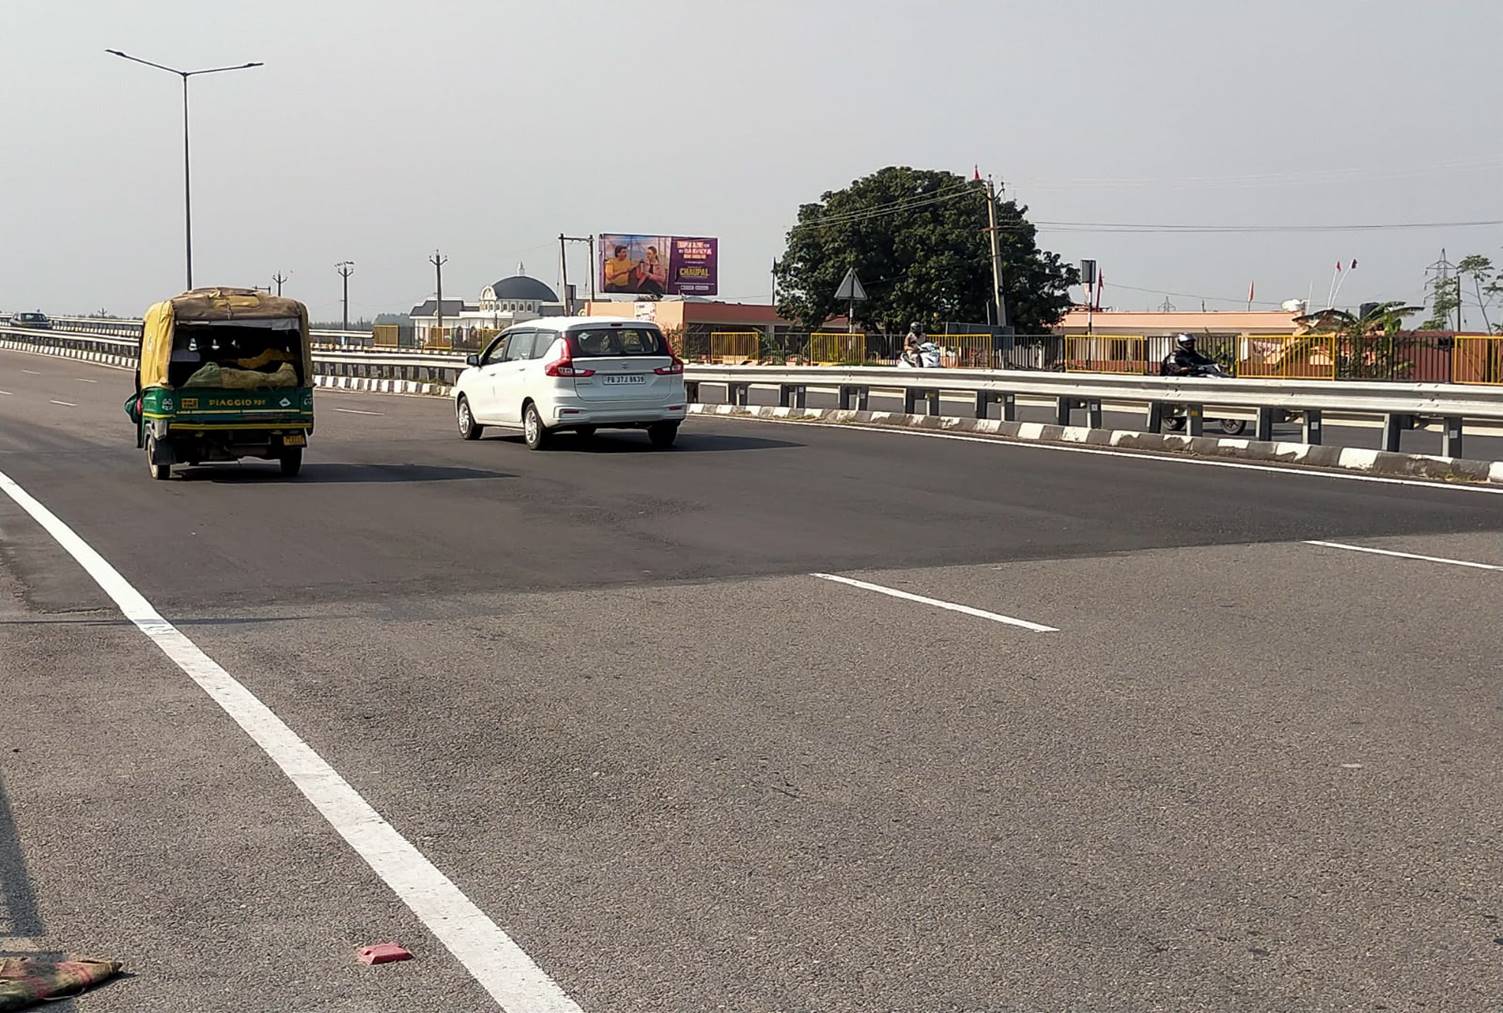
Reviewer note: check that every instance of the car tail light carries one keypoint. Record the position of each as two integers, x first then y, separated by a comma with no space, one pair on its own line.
564,366
672,370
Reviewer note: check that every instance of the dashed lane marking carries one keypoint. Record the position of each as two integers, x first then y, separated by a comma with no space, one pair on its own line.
948,605
65,404
1406,555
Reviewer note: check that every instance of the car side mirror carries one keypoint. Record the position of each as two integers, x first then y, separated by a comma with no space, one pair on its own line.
472,359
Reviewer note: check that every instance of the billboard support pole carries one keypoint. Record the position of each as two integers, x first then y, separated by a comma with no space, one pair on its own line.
591,240
563,270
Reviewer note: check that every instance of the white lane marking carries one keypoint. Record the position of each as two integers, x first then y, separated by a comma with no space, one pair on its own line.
500,966
7,393
65,404
949,605
83,379
357,411
31,372
1405,555
1294,471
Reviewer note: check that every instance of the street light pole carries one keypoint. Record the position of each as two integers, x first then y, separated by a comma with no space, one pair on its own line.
187,184
345,269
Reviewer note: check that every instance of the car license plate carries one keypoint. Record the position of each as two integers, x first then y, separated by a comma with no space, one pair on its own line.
294,440
625,378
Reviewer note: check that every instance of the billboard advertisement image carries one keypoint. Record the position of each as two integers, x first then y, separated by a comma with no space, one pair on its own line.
658,265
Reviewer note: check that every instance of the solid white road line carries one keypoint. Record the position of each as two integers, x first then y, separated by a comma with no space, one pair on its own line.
1406,555
65,404
357,411
497,963
949,605
1293,470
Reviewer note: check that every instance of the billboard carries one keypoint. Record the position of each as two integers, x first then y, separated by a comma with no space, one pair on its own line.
658,265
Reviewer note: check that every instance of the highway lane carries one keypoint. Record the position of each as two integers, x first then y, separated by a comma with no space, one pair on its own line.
598,689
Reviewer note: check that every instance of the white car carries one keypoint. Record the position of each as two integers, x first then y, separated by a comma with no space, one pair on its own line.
574,373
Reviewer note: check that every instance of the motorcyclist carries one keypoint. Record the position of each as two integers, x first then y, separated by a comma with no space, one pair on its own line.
912,344
1185,359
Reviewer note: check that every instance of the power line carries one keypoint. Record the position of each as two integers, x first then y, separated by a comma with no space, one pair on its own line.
883,210
1188,295
1189,229
1294,176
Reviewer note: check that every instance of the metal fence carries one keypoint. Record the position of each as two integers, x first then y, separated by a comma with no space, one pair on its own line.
1477,358
1303,357
1106,354
732,348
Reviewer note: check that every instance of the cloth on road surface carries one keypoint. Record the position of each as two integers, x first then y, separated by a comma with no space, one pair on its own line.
26,982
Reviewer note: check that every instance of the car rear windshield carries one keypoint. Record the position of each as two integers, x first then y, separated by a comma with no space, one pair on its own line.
600,342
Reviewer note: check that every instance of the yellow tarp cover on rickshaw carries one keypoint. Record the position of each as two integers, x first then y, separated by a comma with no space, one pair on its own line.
213,305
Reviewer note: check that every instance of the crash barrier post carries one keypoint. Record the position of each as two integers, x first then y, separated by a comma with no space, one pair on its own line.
837,348
1094,353
732,348
1477,358
1296,357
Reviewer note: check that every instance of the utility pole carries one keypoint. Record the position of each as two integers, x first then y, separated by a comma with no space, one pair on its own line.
563,270
1442,269
345,268
991,218
438,261
279,278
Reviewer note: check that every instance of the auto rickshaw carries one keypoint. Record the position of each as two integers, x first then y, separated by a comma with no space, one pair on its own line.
223,374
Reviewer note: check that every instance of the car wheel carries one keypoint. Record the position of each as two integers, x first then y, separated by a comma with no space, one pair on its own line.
291,459
662,434
469,429
1233,427
160,472
533,430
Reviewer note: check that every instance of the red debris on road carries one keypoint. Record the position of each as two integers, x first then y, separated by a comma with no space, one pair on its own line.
383,953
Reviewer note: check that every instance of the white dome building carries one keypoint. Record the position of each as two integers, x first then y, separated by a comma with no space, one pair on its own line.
501,304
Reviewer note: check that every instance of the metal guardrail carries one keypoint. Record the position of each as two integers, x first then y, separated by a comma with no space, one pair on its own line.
1402,406
1398,404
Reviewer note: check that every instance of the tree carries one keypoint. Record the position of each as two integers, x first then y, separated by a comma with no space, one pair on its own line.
1480,269
917,240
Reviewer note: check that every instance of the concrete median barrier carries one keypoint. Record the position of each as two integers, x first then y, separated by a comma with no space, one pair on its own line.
1372,462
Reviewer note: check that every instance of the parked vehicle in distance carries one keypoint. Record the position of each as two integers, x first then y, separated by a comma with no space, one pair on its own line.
576,374
31,321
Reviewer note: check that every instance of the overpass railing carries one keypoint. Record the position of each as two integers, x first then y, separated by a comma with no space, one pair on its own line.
1401,406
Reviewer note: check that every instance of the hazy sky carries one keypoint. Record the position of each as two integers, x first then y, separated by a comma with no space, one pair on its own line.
379,130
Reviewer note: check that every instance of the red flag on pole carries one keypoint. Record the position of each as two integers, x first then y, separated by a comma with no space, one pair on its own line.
977,170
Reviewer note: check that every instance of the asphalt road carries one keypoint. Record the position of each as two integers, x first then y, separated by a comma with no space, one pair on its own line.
598,688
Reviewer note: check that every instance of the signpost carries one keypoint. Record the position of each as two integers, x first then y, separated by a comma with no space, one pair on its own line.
850,292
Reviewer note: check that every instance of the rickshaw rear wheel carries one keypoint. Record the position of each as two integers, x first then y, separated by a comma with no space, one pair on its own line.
160,472
291,459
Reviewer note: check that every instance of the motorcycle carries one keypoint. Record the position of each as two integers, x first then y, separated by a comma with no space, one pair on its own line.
927,357
1175,419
